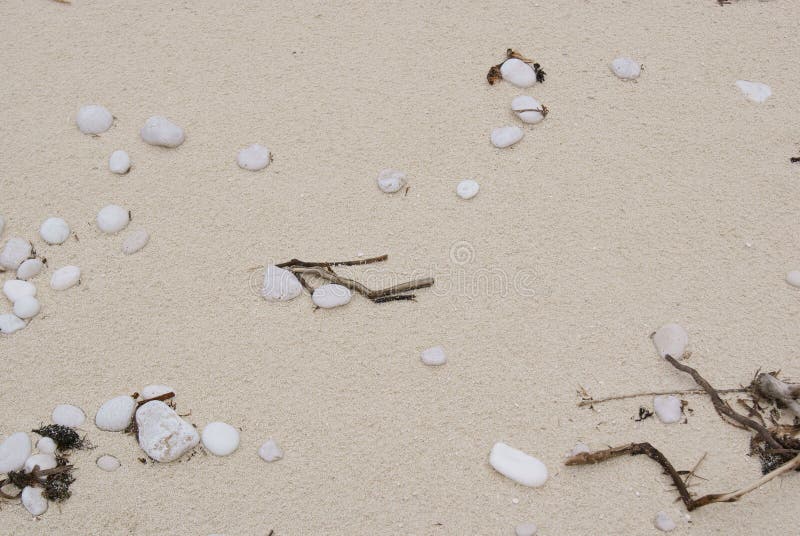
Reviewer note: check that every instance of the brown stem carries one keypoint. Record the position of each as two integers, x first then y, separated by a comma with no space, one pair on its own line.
592,401
307,264
329,275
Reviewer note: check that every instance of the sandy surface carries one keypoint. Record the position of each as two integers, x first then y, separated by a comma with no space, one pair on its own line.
633,204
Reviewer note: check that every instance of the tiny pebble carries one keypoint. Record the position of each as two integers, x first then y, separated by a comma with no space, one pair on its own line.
754,91
528,109
434,356
668,408
626,68
254,157
44,461
155,390
112,219
270,451
65,277
159,130
793,278
506,136
391,180
94,119
119,162
116,414
14,252
14,289
671,340
331,295
518,466
14,450
663,522
46,445
220,438
136,240
33,500
515,501
518,73
27,307
54,231
9,324
68,415
525,529
467,189
108,463
280,284
29,269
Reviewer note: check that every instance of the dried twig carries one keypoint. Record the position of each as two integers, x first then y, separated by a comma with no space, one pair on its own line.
591,401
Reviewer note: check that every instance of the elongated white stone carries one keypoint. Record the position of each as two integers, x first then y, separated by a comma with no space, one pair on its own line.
793,278
9,324
220,438
65,277
528,109
163,435
253,157
663,522
671,340
518,466
108,463
27,307
14,289
33,500
159,130
331,295
94,119
135,241
270,451
116,414
626,68
280,284
391,180
518,73
155,390
754,91
506,136
119,162
54,231
434,356
29,269
112,219
467,189
43,461
525,529
46,445
14,451
68,415
668,408
14,252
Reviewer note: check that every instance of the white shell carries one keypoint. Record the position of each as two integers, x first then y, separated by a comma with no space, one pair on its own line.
135,241
112,219
254,157
434,356
68,415
525,529
14,451
663,522
109,463
467,189
518,73
526,107
793,278
518,466
270,451
671,339
391,180
9,324
27,307
159,130
220,438
54,231
152,391
506,136
65,277
163,435
668,408
44,461
119,162
626,68
94,119
46,445
14,289
29,269
280,284
115,415
754,91
33,500
331,295
14,252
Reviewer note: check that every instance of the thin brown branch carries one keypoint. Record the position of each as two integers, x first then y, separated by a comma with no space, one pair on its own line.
354,285
592,401
307,264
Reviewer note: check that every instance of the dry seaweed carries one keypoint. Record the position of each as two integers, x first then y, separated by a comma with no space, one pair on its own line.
65,437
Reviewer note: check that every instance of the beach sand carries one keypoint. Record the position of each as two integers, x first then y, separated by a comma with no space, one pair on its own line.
632,205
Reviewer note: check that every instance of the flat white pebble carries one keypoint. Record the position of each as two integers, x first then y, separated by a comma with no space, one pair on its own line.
116,414
14,252
44,461
163,434
108,463
112,219
119,162
254,157
94,119
27,307
29,269
135,241
280,284
154,390
33,500
68,415
671,340
331,295
668,408
754,91
14,289
270,451
54,231
793,278
65,277
46,445
391,180
158,130
220,438
506,136
663,522
434,356
14,450
467,189
626,68
518,466
528,109
518,73
525,529
9,324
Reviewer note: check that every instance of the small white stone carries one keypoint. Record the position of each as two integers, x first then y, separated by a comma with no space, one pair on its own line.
332,295
793,278
9,324
115,415
27,307
46,445
33,500
391,180
108,463
44,461
54,231
517,465
526,529
626,68
518,73
220,438
29,269
65,277
506,136
467,189
528,109
163,434
663,522
14,252
159,130
14,451
754,91
671,340
254,157
668,408
135,241
112,219
579,448
94,119
270,451
68,415
155,390
15,289
280,284
119,162
434,356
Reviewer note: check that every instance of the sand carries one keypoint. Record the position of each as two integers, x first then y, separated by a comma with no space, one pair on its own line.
630,206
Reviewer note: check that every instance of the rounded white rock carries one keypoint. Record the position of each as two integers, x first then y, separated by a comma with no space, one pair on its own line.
518,73
29,269
518,466
626,68
663,522
68,415
220,438
528,109
54,231
15,289
9,324
112,219
391,180
27,307
467,189
671,340
280,284
119,162
135,241
65,277
14,252
14,451
793,278
506,136
434,356
109,463
33,500
46,445
668,408
163,434
155,390
254,157
270,451
43,461
754,91
94,119
331,295
158,130
116,414
525,529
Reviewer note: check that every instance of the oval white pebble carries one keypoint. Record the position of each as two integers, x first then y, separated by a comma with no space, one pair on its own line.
254,157
27,307
14,252
280,284
119,162
43,461
54,231
528,109
163,434
33,500
135,241
220,438
159,130
518,72
668,408
332,295
754,91
391,180
506,136
663,522
626,68
270,451
116,414
671,340
467,189
517,465
155,390
108,463
65,277
793,278
9,324
525,529
29,269
46,445
112,219
94,119
14,451
15,289
68,415
434,356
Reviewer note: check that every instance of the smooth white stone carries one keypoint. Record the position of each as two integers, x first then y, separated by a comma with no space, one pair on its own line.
163,435
331,295
254,157
112,219
119,162
793,278
54,231
671,340
29,269
14,451
579,448
506,136
159,130
46,445
220,438
68,415
663,522
525,108
15,289
270,451
65,277
391,180
44,461
14,252
33,500
626,68
526,529
280,284
518,466
154,390
518,73
115,415
754,91
94,119
27,307
9,324
668,408
434,356
108,463
467,189
135,241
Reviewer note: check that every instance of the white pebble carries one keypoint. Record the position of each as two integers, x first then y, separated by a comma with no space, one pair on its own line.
668,408
332,295
526,529
46,445
254,157
29,269
14,451
108,463
391,180
119,162
163,434
135,241
43,461
112,219
14,289
671,340
68,415
754,91
793,278
54,231
506,136
663,522
115,415
65,277
220,438
9,324
14,252
33,500
280,284
467,189
434,356
518,73
270,451
94,119
155,390
159,130
517,465
27,307
528,109
626,68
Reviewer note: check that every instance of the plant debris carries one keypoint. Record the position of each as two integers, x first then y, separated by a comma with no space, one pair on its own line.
56,481
644,413
794,159
494,74
65,437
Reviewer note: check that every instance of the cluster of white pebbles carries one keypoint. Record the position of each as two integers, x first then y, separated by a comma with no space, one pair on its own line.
524,107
